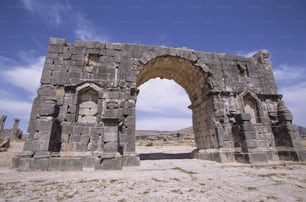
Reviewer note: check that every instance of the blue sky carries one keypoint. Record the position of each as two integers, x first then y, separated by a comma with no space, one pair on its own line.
236,27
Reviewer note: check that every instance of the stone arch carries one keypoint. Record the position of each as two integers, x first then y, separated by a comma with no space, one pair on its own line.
193,79
181,70
114,71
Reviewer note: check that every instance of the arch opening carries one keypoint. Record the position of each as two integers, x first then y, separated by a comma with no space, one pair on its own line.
188,76
180,70
165,103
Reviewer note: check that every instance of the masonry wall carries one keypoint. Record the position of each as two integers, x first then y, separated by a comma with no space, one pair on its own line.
86,103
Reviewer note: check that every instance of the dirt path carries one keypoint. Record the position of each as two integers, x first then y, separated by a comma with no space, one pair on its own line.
161,180
6,157
158,180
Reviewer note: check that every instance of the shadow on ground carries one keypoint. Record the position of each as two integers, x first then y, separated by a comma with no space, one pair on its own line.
163,155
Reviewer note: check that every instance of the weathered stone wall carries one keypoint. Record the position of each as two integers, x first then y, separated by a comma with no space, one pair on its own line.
84,113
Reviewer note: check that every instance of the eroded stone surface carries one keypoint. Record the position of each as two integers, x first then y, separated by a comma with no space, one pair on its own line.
85,105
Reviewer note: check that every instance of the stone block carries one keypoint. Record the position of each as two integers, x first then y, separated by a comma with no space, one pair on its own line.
54,164
55,48
236,129
124,138
285,117
87,119
109,164
243,117
242,157
39,164
112,113
111,147
130,161
81,147
258,157
15,161
94,138
226,157
69,117
75,138
251,143
66,146
127,111
76,57
247,126
222,135
24,164
46,91
78,130
85,139
250,134
41,144
67,128
89,162
96,131
57,41
301,155
86,130
44,125
94,51
111,136
70,164
130,147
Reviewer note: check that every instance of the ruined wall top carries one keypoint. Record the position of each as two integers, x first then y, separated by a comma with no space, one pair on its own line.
72,64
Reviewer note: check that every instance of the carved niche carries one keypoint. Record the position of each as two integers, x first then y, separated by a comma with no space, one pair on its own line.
250,107
87,108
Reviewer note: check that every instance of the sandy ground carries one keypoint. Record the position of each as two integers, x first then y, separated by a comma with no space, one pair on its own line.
5,157
161,180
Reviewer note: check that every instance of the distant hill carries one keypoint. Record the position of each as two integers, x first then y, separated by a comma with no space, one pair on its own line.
189,131
186,131
183,137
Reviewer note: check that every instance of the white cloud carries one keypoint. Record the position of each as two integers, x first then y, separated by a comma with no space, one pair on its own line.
162,105
295,99
51,12
86,31
291,83
14,108
288,73
18,108
57,13
163,96
25,76
5,60
164,124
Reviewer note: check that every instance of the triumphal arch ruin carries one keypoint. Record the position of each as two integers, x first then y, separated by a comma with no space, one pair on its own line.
84,112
